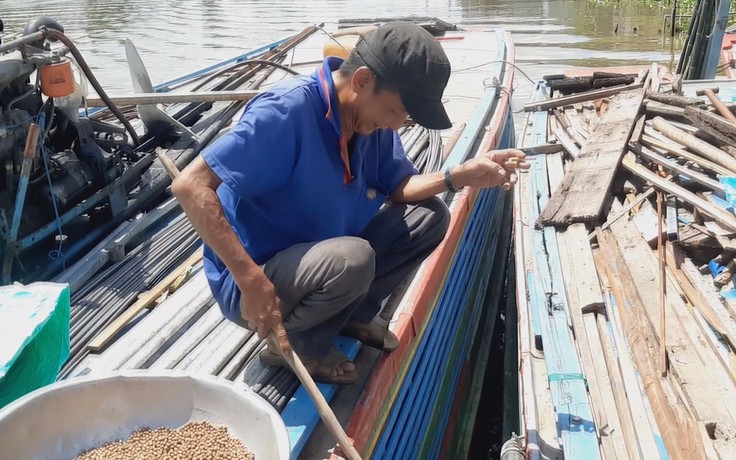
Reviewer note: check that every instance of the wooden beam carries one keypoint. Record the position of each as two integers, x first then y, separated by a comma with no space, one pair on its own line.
564,139
659,143
585,188
676,429
721,216
696,145
174,98
703,382
652,156
584,97
145,300
716,126
613,414
677,101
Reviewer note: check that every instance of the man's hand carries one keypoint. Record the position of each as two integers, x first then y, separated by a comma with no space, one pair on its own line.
495,168
261,307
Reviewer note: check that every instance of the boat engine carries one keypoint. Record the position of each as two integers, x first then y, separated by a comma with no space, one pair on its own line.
76,155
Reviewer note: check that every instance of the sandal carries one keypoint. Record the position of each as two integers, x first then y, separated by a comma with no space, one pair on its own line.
319,368
372,334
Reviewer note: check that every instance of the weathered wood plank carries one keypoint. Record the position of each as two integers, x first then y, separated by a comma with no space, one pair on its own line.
703,381
618,438
662,145
712,124
721,216
587,96
675,425
699,146
652,156
585,188
563,138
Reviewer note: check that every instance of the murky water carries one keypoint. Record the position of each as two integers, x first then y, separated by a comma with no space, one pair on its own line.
178,36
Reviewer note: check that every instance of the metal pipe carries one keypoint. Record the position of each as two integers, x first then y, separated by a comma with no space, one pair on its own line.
189,339
236,363
27,40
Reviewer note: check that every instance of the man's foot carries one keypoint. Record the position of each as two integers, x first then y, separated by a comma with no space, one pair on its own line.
335,368
374,334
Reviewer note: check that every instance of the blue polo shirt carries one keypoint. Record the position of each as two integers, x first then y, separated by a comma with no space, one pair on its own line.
287,178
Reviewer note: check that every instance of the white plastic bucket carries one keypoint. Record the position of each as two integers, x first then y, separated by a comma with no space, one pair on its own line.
62,420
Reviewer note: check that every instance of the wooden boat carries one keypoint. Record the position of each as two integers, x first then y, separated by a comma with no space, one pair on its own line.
607,367
410,401
728,55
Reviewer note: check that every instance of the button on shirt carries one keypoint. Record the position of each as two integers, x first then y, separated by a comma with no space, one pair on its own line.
286,174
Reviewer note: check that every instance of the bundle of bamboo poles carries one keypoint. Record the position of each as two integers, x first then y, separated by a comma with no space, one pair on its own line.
626,241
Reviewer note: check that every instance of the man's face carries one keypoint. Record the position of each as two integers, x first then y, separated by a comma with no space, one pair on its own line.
375,109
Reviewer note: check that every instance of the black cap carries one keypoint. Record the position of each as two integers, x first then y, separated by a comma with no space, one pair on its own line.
405,55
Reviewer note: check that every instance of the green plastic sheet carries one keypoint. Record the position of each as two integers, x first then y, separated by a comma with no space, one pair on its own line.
34,337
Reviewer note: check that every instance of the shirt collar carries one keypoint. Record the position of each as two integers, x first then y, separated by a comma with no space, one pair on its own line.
326,87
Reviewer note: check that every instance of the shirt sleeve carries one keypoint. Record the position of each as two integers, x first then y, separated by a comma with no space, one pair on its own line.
258,155
395,166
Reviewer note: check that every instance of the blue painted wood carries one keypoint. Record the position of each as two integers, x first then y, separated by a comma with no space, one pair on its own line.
467,307
300,415
439,329
567,383
466,341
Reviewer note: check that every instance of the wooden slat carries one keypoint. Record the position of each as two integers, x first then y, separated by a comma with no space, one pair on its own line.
676,428
563,138
550,301
586,186
584,97
145,300
699,146
702,380
618,439
721,216
555,170
660,144
653,156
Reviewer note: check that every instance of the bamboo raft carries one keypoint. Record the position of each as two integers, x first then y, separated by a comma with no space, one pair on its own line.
624,242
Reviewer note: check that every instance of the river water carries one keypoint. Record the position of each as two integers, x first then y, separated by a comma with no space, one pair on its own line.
178,36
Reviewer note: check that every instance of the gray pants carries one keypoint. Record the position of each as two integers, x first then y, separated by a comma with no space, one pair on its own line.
324,284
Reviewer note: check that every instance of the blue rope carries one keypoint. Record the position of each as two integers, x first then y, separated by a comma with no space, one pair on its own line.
56,253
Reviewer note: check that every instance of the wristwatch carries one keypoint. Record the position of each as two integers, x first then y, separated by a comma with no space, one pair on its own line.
448,182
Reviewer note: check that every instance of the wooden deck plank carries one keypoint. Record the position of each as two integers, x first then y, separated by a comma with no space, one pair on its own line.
674,423
574,415
703,380
586,186
583,290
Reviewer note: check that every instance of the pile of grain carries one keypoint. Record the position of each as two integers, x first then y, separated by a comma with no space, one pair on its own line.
195,441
